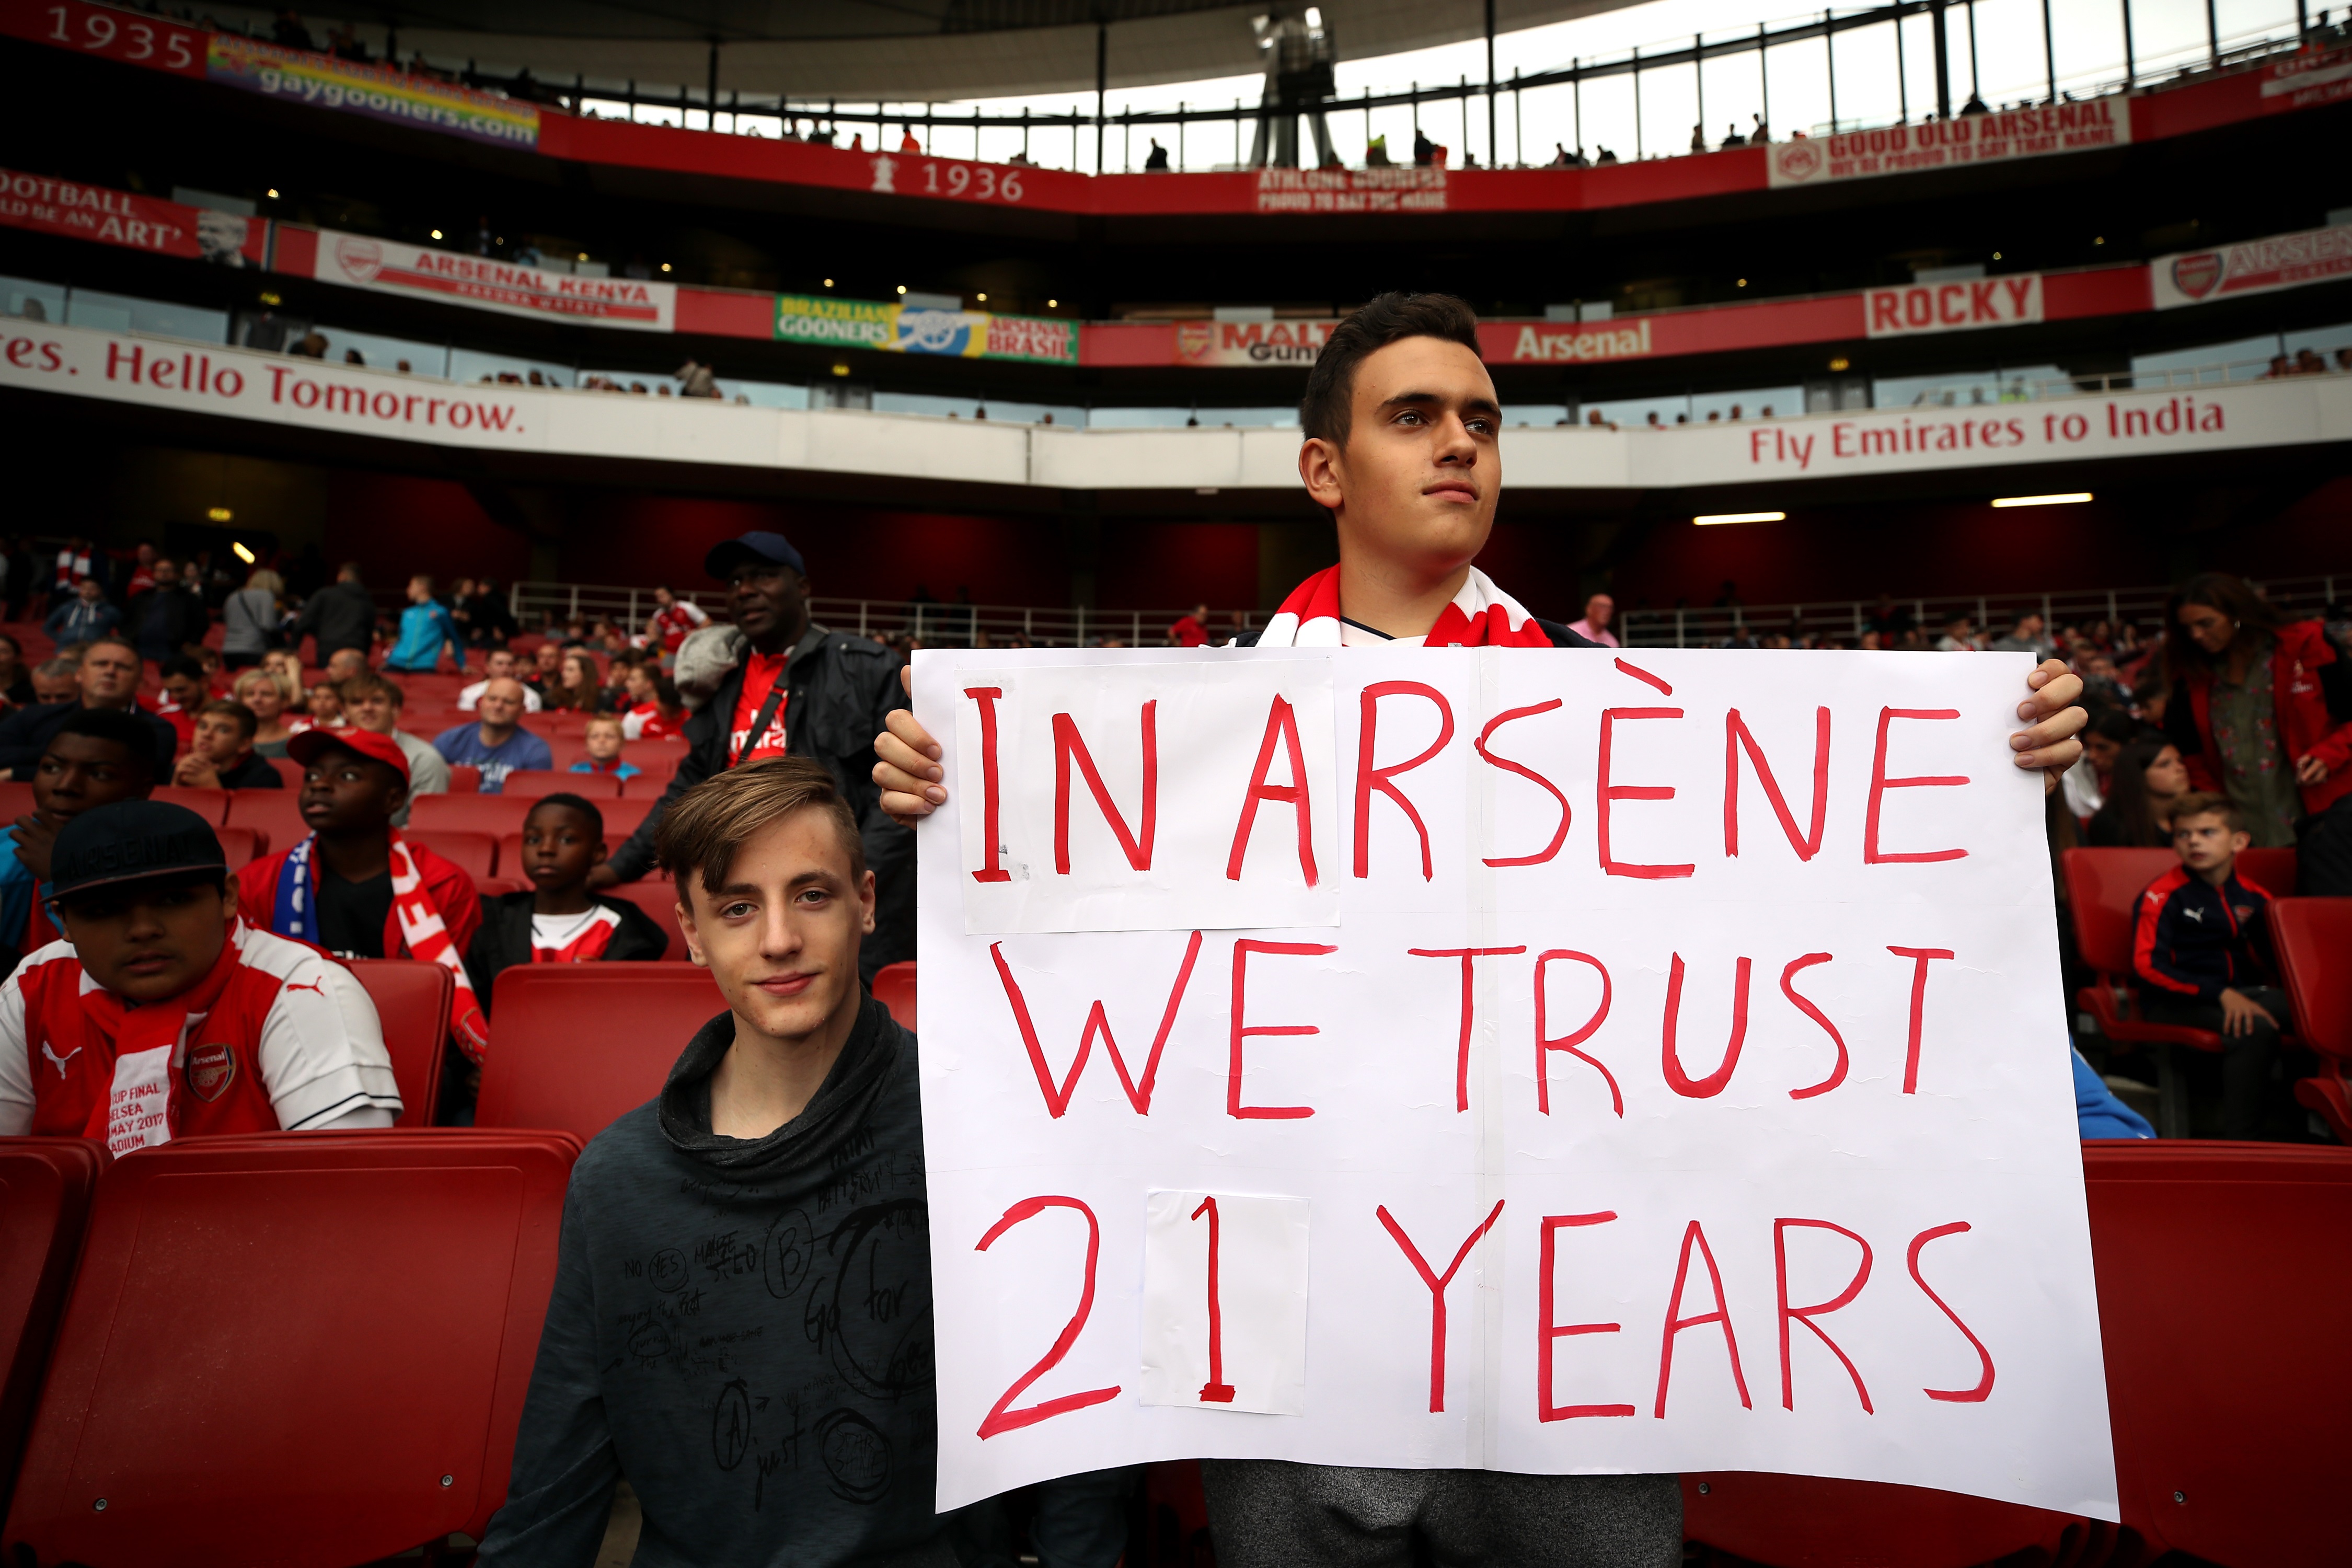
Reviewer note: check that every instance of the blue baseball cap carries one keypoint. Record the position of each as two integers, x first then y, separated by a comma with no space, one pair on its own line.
756,547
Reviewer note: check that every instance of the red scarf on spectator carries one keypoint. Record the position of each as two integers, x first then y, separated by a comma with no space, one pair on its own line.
1481,616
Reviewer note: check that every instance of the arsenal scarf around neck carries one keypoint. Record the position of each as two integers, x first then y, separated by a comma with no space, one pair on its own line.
423,932
144,1041
1481,616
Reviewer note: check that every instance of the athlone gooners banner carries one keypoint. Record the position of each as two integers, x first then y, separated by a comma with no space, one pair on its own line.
1523,1059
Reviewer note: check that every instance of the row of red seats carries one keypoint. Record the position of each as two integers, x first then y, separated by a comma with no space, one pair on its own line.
2310,936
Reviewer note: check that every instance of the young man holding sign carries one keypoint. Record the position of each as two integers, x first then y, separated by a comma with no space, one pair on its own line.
1402,431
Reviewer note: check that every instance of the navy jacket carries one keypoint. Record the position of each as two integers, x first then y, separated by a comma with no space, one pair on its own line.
2193,939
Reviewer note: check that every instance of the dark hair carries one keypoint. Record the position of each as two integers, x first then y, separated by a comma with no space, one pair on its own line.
184,666
1325,409
702,833
2126,818
570,802
248,722
2219,591
2116,725
116,725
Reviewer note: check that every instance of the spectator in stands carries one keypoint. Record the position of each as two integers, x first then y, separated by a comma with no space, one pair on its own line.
142,570
1761,135
2148,778
803,1089
1959,636
1412,503
355,886
497,744
603,743
1732,138
168,617
672,620
1599,610
580,688
221,755
2200,944
290,1039
183,693
96,758
1156,161
425,629
557,919
1699,139
2261,706
2086,784
340,615
488,621
371,702
108,678
1190,629
2028,634
56,680
261,694
499,664
656,711
546,673
1425,151
696,379
322,708
776,682
16,680
85,617
250,617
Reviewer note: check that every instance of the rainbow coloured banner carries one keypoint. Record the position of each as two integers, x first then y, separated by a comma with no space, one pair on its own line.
380,92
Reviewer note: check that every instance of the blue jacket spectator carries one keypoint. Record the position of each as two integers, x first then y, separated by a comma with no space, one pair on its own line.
2098,1113
85,617
497,744
425,628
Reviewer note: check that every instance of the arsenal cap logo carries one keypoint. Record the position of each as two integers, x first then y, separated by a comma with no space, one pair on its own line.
2196,274
211,1070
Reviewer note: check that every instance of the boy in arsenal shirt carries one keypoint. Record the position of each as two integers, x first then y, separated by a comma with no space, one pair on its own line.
161,1014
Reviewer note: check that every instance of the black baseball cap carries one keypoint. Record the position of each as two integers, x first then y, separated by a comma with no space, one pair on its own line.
758,548
131,841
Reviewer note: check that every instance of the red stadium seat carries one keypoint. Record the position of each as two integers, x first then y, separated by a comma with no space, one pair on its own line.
212,804
531,782
573,1046
243,845
305,1348
45,1187
276,813
465,779
2217,1264
289,770
2313,938
493,813
894,987
476,853
16,801
658,897
411,1002
498,886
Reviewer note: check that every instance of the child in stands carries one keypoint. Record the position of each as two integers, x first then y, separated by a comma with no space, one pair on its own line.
98,756
605,751
221,756
323,709
163,1016
356,886
558,919
2202,942
802,1090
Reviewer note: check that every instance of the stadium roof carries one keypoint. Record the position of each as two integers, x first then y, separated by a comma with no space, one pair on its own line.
901,50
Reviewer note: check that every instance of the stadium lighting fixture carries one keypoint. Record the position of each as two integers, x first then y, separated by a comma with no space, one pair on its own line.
828,283
1840,363
243,553
1314,16
981,297
665,265
2072,499
1740,517
273,194
902,287
841,370
218,514
1053,304
436,234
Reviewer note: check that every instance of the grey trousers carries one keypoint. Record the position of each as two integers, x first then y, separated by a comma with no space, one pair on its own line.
1272,1513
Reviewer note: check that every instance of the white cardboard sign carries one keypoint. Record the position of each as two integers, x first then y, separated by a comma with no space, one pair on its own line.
1661,1067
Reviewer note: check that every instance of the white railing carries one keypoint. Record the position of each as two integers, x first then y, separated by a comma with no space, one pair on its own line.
938,624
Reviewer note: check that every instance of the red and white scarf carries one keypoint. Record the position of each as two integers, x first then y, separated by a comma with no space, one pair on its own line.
422,930
1481,616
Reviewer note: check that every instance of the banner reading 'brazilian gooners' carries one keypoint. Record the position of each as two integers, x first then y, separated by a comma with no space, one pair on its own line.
913,330
380,92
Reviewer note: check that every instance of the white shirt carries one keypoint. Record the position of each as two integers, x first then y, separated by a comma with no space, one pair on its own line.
473,694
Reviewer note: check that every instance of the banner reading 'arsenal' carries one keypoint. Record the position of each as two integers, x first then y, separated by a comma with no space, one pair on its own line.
2255,267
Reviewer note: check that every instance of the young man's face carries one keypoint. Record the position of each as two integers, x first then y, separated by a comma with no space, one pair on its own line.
2206,842
639,685
548,659
374,710
109,674
604,741
781,935
343,792
88,590
219,737
560,848
499,664
149,941
1414,488
78,772
346,663
184,689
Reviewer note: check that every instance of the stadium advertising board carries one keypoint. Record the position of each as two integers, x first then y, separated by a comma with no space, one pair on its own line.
1517,1059
418,271
379,92
1960,306
106,217
2307,81
2255,267
1564,343
1966,140
1406,189
1225,345
914,330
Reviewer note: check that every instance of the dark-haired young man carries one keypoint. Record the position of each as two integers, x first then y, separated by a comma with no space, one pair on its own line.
98,756
220,755
356,886
161,1014
107,677
1403,447
776,1181
185,691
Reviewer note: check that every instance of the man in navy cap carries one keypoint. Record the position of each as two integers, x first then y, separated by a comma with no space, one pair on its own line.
776,684
161,1014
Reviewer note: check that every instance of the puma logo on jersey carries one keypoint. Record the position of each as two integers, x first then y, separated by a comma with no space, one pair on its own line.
2197,915
58,1062
317,985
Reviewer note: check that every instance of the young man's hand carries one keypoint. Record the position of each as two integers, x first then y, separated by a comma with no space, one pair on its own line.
193,771
2239,1012
910,771
2050,745
35,839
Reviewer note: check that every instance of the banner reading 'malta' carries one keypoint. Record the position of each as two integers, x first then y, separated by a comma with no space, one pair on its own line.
913,330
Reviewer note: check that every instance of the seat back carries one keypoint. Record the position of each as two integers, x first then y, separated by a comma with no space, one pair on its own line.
230,1291
894,987
276,813
412,1002
45,1187
16,800
2222,1275
2101,885
465,779
658,897
2313,938
573,1046
242,845
529,783
288,770
476,853
2272,870
495,815
212,804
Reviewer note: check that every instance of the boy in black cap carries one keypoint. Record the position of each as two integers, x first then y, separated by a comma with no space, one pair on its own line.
161,1014
97,756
